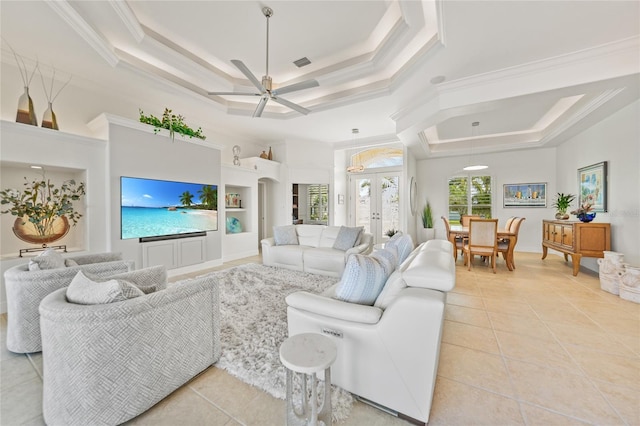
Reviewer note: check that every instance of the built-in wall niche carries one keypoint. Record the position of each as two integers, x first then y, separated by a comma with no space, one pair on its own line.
12,175
310,203
237,207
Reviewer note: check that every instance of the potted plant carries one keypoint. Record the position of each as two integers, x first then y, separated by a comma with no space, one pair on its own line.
426,232
43,210
561,204
172,122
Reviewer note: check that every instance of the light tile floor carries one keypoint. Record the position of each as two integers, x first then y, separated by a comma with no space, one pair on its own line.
535,346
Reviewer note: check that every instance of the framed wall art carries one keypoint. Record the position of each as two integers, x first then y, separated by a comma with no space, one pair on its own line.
524,195
592,182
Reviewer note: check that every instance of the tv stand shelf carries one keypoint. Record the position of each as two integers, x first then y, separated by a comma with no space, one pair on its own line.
576,239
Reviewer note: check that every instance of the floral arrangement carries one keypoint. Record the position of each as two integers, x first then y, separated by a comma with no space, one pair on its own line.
42,202
586,207
172,122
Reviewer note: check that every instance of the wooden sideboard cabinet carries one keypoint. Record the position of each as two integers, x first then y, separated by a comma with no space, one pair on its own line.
576,239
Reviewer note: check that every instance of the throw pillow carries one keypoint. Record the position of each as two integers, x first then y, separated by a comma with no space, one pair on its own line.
84,291
149,280
404,245
347,237
48,259
363,279
389,253
285,235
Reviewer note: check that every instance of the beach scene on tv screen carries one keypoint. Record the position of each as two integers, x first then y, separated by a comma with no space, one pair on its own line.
152,208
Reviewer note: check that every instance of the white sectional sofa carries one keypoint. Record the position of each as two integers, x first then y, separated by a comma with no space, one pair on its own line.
388,352
314,252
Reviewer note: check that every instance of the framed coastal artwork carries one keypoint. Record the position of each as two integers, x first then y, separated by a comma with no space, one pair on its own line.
592,181
524,195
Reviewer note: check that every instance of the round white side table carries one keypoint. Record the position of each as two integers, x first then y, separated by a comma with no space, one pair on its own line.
308,354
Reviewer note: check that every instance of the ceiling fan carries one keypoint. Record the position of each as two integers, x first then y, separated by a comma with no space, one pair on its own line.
265,87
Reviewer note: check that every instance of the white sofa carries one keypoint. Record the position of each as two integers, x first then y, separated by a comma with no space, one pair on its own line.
388,352
315,252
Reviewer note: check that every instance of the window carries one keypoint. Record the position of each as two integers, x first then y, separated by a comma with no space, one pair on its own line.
373,158
469,195
317,203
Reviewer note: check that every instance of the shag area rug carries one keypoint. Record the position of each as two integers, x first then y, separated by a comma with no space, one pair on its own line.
254,325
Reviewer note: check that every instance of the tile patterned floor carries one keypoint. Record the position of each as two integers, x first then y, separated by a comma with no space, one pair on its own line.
535,346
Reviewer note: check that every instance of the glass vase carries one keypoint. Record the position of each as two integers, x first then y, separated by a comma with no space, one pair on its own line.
26,113
49,119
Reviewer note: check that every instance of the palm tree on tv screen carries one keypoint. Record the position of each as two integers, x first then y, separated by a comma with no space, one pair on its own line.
209,196
186,198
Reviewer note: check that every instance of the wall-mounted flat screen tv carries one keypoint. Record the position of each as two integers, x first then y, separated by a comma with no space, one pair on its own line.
156,208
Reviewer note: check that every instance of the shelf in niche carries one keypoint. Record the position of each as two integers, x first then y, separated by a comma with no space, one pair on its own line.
235,209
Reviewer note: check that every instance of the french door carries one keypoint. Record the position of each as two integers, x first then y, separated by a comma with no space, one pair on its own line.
376,203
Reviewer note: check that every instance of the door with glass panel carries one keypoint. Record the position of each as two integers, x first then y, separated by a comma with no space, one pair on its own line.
376,203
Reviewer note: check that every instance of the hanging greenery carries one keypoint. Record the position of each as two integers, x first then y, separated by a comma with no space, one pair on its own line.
172,122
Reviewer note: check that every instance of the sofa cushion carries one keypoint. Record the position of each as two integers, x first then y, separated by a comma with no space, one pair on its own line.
347,237
285,235
328,236
48,259
363,279
394,285
309,235
85,291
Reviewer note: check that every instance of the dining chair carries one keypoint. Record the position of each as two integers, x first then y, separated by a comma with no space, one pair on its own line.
507,225
464,219
458,240
503,245
483,241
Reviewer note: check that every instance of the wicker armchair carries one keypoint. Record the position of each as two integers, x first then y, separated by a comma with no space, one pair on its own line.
26,289
105,364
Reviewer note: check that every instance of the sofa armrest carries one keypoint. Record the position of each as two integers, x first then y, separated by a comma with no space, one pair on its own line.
333,308
85,259
270,242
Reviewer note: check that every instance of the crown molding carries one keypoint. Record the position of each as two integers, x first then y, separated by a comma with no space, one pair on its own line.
629,45
580,114
128,18
64,9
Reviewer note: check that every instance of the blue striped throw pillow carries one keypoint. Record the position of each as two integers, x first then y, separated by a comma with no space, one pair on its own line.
363,278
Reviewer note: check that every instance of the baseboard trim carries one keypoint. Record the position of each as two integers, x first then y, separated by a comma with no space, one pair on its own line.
389,411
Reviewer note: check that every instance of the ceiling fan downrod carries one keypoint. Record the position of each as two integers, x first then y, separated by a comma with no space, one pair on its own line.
266,79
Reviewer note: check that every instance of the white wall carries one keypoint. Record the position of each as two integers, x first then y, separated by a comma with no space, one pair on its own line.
615,139
507,167
141,153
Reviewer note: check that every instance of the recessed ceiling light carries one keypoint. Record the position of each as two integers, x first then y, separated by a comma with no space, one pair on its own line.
437,79
36,167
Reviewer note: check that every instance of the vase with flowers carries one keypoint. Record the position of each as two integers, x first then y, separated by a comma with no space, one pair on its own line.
585,212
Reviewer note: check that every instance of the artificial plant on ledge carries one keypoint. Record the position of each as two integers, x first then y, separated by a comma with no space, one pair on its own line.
172,122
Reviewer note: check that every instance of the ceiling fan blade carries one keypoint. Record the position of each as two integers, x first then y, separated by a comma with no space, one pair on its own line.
252,78
234,94
260,107
291,105
295,86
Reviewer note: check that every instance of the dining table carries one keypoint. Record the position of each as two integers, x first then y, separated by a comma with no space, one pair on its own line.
463,232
